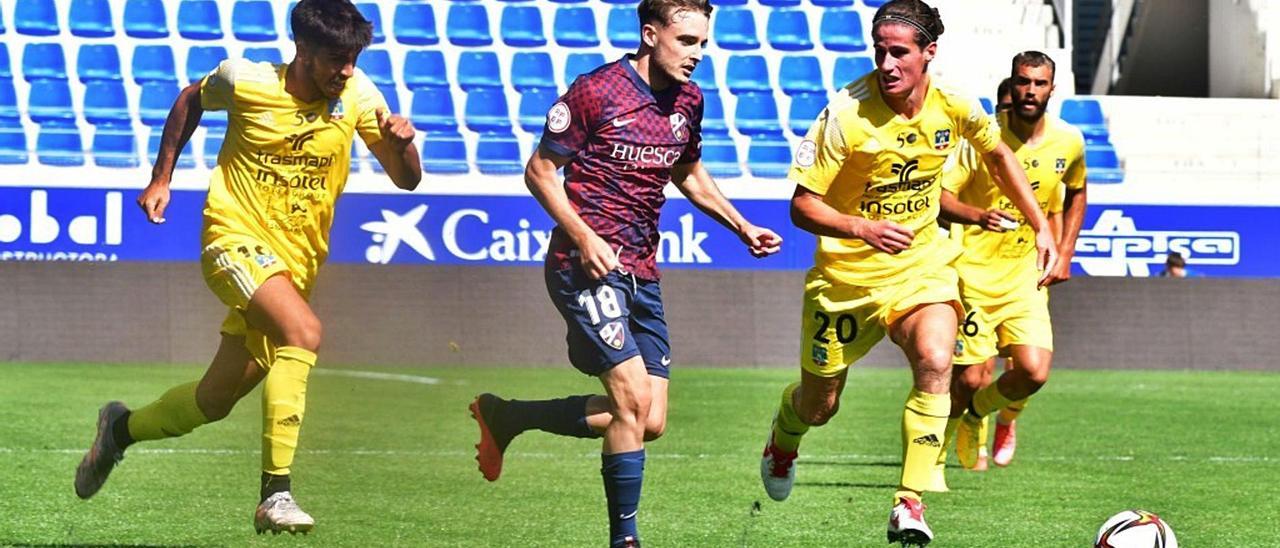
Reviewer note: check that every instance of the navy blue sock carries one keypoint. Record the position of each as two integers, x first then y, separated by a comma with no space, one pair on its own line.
564,416
623,474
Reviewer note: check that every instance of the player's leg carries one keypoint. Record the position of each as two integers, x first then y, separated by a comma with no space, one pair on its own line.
279,312
622,457
177,412
927,337
810,402
968,379
1005,443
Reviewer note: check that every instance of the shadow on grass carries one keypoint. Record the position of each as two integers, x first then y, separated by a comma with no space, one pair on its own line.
896,464
846,484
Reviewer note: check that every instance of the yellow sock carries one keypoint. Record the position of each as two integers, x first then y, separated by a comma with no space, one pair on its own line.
924,425
939,483
284,401
988,400
787,427
174,414
1010,412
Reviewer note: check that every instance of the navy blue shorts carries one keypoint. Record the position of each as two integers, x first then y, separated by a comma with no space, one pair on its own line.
611,320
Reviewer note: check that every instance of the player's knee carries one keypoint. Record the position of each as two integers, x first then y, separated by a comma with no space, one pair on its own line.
305,334
969,384
654,428
935,360
215,404
818,415
1037,377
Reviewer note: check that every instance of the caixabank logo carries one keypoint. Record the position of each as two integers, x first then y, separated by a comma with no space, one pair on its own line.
38,226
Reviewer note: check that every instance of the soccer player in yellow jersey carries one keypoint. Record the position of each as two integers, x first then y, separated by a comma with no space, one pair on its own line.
867,183
271,201
1007,313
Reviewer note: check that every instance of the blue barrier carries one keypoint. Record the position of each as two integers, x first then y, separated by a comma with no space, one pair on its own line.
104,225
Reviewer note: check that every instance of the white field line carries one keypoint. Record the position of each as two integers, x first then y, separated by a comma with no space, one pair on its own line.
374,375
851,458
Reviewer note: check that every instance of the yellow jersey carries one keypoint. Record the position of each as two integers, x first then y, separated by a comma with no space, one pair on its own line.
997,263
867,161
284,162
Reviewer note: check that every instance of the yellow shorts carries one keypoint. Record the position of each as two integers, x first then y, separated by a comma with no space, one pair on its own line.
990,326
234,267
842,322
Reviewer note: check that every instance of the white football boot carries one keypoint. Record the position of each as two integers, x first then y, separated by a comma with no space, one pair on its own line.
280,513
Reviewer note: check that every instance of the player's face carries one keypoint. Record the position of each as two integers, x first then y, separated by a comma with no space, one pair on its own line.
1032,87
677,46
902,63
1004,103
329,69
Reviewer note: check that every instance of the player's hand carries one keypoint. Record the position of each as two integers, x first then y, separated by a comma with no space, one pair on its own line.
1060,273
1046,254
761,242
395,128
886,236
153,200
598,259
998,220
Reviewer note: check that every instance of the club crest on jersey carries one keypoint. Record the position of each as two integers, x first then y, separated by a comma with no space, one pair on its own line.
336,110
613,334
941,139
959,348
1059,165
677,124
819,355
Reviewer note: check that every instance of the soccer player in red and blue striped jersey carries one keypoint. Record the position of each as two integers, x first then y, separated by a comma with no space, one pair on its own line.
622,133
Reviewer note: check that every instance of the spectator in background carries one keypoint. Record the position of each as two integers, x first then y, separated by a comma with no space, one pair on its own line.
1176,267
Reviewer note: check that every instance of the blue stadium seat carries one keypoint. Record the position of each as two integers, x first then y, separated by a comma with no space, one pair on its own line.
6,68
575,27
468,25
780,3
769,157
747,73
288,19
115,146
632,3
479,69
577,64
521,26
804,110
186,158
987,105
487,110
621,28
444,153
253,21
534,104
213,138
425,69
13,143
555,1
145,19
35,17
199,20
713,114
788,30
43,62
155,101
98,62
720,157
8,100
268,54
801,74
757,114
832,3
705,74
415,24
498,154
213,118
532,69
153,64
90,19
201,60
391,94
59,144
373,14
735,29
1103,165
1085,114
376,64
106,103
875,3
723,3
841,30
848,69
50,101
432,110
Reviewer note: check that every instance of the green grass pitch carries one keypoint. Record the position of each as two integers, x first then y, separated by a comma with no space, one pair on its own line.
389,462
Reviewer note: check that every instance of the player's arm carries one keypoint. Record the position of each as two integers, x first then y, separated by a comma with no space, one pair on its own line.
956,211
598,259
1074,203
184,118
696,184
396,151
812,214
1012,180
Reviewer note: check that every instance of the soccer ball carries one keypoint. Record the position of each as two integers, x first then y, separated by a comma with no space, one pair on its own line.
1134,528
